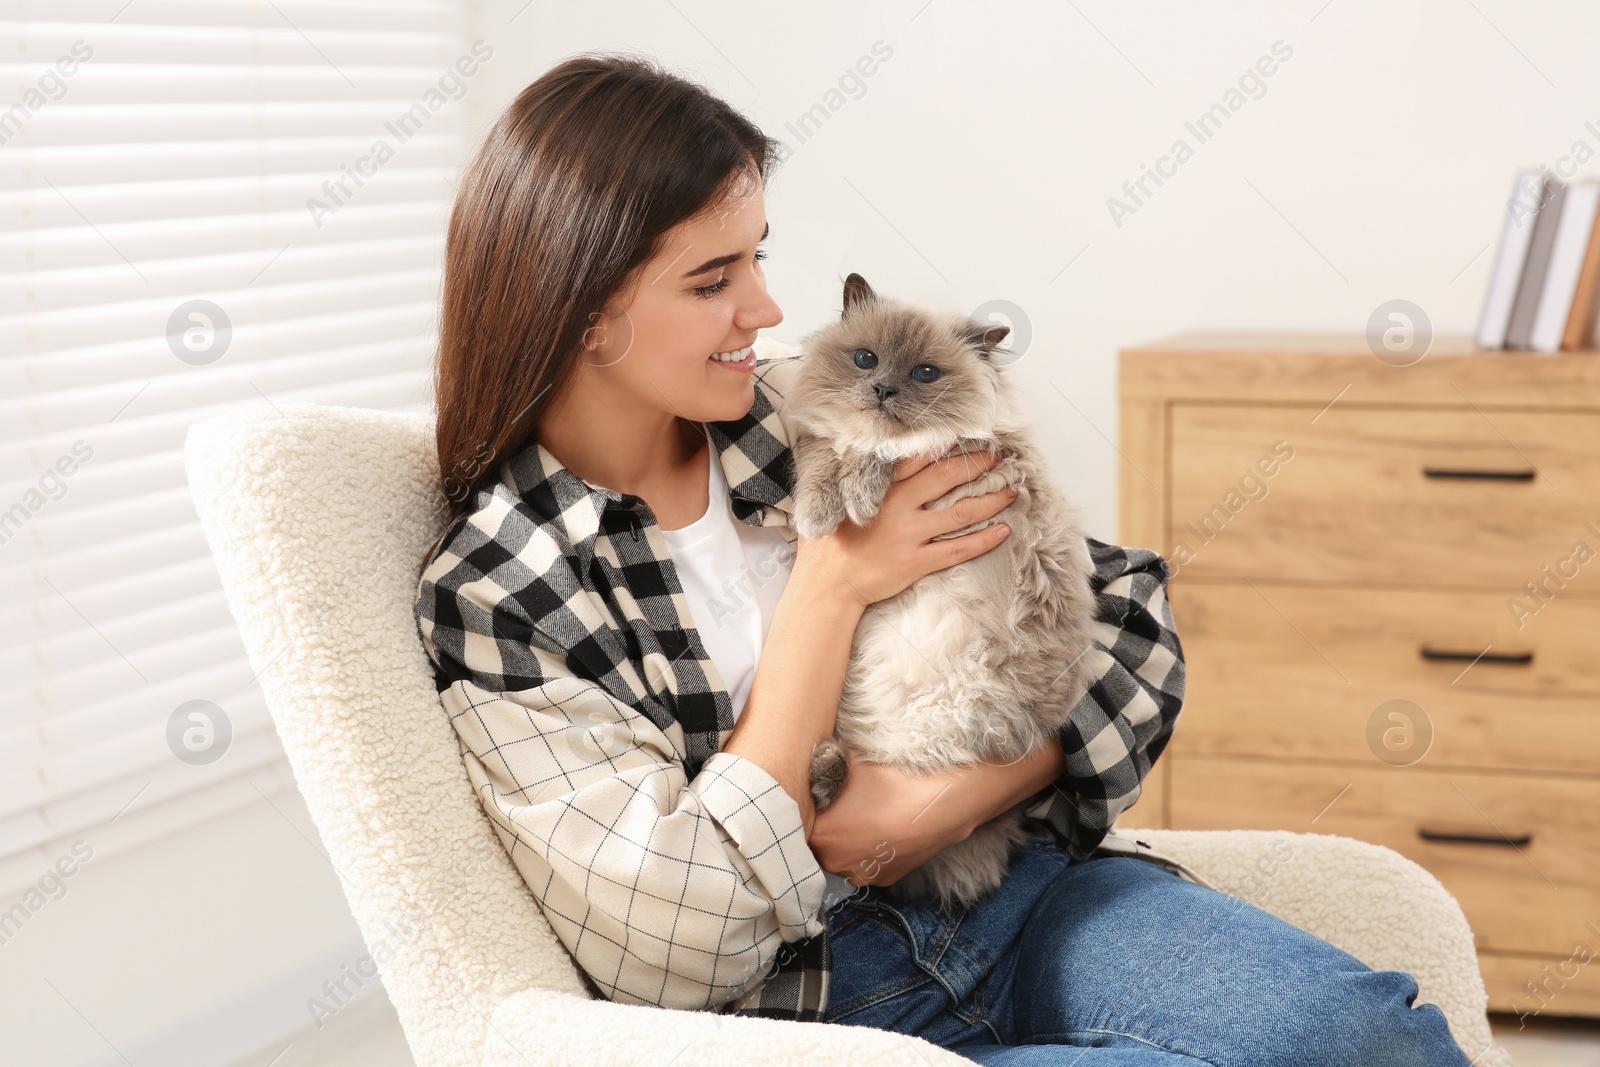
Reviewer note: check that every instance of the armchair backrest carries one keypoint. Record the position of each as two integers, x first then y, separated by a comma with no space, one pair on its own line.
318,519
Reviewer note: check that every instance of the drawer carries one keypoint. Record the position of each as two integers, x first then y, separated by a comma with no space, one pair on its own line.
1529,897
1302,671
1568,984
1416,496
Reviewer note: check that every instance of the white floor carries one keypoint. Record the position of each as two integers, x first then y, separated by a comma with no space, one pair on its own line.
1549,1042
367,1032
364,1032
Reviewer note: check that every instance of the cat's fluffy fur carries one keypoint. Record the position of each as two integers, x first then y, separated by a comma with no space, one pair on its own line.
981,661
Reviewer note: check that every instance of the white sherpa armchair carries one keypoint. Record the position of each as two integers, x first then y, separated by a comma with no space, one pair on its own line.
318,519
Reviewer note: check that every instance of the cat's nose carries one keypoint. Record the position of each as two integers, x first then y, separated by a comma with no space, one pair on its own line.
884,390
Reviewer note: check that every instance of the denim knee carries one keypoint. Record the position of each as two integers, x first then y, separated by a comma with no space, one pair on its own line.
1385,1030
1120,952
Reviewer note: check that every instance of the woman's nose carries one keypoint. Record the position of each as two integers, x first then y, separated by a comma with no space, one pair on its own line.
761,313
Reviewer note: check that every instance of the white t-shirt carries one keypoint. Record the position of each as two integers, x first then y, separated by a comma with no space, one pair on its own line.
732,574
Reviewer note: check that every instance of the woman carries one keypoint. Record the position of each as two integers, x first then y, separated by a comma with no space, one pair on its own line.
639,653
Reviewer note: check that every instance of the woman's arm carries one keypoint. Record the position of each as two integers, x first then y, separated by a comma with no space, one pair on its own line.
666,891
799,679
887,823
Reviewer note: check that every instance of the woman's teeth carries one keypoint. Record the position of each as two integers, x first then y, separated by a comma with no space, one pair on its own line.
732,357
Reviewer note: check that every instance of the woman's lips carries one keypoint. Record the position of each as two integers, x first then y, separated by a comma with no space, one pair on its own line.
746,363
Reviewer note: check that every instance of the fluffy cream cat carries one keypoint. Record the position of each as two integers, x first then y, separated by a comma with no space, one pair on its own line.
981,661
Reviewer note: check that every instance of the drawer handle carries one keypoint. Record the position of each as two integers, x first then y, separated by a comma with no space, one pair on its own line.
1478,476
1513,659
1473,839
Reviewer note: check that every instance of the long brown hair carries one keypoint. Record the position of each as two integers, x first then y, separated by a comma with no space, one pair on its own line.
573,188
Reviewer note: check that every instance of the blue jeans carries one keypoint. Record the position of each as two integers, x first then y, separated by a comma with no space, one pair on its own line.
1116,962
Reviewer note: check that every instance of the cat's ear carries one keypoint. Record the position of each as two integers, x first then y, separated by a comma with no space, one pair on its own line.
986,337
857,291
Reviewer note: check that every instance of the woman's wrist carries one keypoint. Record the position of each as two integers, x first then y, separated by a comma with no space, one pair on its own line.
823,586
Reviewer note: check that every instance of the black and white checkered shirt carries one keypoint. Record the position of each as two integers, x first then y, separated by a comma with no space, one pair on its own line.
591,722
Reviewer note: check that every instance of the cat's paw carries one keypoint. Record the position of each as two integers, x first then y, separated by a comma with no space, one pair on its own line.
829,767
861,509
816,517
863,489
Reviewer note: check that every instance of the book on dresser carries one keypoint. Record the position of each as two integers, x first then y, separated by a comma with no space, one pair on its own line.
1386,582
1544,288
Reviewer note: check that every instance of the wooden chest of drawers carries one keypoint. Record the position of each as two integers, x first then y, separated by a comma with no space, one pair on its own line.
1388,592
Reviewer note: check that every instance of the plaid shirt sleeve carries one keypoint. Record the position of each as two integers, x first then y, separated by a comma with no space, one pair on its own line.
666,891
1128,713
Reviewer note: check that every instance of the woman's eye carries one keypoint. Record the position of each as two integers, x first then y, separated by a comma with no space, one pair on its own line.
716,287
866,359
925,373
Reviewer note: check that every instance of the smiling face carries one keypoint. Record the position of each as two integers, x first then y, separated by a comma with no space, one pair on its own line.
703,296
897,379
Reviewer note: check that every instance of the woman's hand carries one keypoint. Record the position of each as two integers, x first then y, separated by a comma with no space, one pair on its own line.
886,823
874,562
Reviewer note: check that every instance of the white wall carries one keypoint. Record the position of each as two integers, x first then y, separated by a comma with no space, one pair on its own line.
979,160
190,951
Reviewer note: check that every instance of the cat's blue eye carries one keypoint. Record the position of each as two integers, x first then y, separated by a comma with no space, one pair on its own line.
925,373
866,359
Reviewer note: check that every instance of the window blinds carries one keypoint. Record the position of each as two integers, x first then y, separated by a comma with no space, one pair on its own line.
197,215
